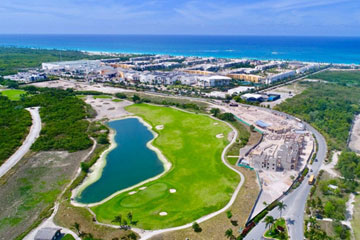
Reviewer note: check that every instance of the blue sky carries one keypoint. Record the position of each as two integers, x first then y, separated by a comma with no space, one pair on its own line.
209,17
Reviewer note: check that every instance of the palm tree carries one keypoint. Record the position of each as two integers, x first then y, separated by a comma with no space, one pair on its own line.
130,217
312,222
117,219
229,233
269,220
76,225
281,206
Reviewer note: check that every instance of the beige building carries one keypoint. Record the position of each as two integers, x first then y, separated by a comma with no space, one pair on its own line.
246,77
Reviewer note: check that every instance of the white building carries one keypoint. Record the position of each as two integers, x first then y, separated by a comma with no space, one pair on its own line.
307,68
213,81
279,76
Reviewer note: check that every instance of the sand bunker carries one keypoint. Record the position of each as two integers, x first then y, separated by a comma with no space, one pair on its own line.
142,188
159,127
132,193
163,213
216,123
172,190
220,135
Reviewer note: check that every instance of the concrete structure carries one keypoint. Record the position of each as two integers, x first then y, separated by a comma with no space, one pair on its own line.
80,65
279,76
213,81
254,97
307,68
27,77
48,234
247,77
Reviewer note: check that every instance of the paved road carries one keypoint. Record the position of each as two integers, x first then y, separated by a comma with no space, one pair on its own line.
30,139
296,200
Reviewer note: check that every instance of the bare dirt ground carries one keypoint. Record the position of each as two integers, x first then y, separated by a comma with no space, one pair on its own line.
80,86
330,167
285,92
354,143
106,108
215,227
32,191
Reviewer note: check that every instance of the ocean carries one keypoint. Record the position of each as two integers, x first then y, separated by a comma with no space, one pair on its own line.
312,49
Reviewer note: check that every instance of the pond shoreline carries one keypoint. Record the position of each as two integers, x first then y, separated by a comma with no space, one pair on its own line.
97,169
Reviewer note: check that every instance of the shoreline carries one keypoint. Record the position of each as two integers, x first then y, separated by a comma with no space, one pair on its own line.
100,164
129,52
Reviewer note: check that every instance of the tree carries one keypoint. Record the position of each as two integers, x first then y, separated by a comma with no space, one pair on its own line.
229,233
281,206
196,227
227,117
130,217
312,222
124,222
132,236
269,220
252,128
265,203
215,112
117,219
103,139
136,98
76,226
228,214
120,95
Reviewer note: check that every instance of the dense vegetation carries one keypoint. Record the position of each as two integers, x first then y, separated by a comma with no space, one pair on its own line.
349,165
14,125
14,59
63,115
328,107
345,78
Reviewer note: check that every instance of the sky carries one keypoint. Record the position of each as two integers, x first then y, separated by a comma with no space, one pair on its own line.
194,17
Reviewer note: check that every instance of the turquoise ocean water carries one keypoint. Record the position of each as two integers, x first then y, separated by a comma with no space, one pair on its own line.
316,49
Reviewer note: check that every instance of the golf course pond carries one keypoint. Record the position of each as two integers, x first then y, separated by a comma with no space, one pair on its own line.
129,163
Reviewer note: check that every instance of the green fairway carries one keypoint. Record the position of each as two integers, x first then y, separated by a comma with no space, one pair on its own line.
202,182
13,94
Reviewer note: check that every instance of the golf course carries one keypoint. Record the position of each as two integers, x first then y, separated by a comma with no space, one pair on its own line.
13,94
198,182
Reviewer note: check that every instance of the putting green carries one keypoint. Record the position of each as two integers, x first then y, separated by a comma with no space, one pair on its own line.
202,182
13,94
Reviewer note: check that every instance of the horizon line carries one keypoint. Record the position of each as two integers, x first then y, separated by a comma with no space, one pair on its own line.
163,34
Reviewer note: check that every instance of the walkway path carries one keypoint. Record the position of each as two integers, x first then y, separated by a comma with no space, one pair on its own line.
30,139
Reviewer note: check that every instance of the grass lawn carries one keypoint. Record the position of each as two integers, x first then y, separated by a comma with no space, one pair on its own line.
13,94
101,96
215,227
273,234
203,183
117,100
68,237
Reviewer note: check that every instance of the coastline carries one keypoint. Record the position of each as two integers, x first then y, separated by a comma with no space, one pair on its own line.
252,49
100,164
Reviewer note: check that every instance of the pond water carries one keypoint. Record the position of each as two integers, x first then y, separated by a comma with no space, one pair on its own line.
131,162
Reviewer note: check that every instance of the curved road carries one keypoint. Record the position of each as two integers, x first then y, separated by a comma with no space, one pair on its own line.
295,200
30,139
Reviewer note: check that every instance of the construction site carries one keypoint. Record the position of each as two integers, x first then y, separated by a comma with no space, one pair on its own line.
281,154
